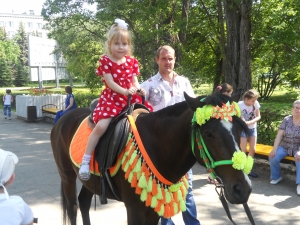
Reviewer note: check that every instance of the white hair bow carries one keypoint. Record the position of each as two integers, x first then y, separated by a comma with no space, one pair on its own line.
121,23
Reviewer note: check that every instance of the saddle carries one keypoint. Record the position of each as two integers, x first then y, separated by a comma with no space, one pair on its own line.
110,146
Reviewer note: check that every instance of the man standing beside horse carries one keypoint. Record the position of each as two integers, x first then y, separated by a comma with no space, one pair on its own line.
164,89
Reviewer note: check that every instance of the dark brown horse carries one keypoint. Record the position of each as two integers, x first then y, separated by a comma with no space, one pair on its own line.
166,135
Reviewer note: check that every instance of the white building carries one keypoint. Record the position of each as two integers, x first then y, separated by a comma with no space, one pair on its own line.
32,23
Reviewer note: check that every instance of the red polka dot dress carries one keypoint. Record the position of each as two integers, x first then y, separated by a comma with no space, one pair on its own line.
112,103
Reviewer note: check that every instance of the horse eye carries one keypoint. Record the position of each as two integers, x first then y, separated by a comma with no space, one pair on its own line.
208,134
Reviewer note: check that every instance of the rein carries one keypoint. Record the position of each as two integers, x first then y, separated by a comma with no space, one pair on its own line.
211,164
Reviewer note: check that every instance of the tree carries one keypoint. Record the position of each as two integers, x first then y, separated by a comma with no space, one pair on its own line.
22,68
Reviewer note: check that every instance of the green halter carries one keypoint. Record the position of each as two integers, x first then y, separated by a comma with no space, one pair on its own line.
239,160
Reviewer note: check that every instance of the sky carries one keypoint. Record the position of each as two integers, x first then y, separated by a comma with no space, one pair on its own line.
20,6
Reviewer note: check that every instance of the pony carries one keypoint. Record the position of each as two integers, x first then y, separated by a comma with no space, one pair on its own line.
169,137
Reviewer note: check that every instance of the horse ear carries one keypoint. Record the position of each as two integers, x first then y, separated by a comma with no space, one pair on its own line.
237,95
193,103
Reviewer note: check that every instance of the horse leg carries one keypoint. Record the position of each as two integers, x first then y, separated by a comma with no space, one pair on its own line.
85,198
141,217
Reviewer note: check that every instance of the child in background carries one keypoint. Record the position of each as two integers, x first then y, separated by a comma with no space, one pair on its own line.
13,210
225,89
250,114
119,71
7,99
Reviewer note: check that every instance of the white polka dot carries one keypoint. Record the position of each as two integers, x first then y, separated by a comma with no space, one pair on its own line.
107,109
105,114
106,67
110,64
115,75
119,71
114,110
127,71
117,103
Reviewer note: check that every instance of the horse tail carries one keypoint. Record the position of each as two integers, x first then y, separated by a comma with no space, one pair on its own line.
63,203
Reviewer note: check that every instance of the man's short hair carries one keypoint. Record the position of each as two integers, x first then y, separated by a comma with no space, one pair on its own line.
164,47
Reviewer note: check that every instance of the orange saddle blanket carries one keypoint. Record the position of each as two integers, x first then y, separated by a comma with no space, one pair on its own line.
78,145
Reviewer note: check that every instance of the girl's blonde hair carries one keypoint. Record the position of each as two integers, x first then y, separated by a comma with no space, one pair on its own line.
115,33
250,94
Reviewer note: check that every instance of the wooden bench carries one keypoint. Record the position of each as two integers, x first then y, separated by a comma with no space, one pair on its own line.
265,150
49,110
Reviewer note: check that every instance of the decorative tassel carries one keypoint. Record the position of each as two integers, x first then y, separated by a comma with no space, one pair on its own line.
158,206
149,199
161,211
179,195
125,164
124,161
130,177
168,196
175,196
138,166
142,181
154,187
182,206
132,157
127,172
175,206
159,192
138,190
143,195
134,180
167,213
172,208
133,164
149,185
186,183
154,202
163,194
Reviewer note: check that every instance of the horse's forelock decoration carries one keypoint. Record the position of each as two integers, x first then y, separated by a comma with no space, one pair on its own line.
239,160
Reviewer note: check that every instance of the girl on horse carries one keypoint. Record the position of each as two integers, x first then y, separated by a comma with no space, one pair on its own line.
119,71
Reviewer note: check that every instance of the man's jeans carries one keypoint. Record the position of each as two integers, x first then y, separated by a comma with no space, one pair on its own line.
8,109
190,215
275,166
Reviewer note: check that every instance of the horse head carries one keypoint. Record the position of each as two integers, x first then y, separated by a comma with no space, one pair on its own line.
215,142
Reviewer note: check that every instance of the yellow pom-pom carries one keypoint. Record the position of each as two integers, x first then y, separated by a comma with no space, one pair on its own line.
249,165
179,195
175,187
239,160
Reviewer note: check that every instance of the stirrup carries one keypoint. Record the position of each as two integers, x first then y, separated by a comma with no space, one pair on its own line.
84,175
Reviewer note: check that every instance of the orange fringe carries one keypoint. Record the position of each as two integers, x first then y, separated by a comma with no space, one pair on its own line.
158,207
134,180
154,187
138,190
148,200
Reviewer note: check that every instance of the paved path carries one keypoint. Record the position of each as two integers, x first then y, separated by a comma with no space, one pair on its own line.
38,182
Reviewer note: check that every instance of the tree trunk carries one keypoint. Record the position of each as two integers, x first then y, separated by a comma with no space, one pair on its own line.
238,57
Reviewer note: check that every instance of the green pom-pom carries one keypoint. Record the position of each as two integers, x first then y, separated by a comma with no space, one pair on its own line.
186,182
149,185
133,156
182,206
159,195
168,196
143,182
153,202
144,195
239,160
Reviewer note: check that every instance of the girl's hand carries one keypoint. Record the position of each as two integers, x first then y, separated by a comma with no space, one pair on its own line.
272,153
142,92
131,91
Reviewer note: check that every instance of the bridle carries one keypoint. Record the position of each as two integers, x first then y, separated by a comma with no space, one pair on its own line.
211,164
